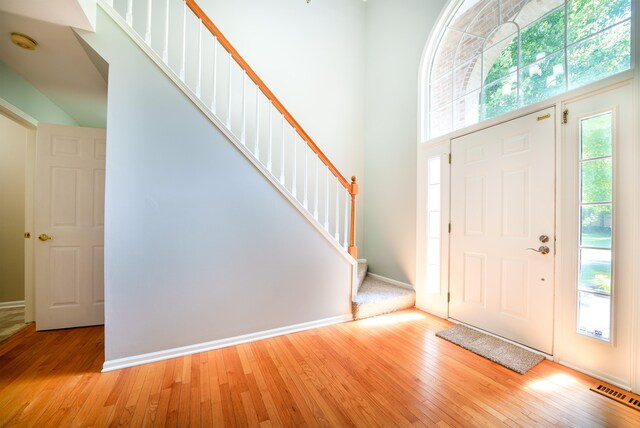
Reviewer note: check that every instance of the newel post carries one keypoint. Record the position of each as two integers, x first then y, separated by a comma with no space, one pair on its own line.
353,249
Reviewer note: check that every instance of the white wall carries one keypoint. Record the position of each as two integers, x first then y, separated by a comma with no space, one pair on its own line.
397,32
13,144
312,56
199,246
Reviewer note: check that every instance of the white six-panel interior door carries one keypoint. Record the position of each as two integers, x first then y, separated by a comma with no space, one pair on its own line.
69,226
502,207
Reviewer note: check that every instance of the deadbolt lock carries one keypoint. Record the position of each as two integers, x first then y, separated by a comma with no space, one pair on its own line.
544,238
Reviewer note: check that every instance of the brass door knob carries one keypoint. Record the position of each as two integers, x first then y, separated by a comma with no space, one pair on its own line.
45,237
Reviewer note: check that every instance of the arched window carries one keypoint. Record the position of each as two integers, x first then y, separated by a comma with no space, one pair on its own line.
494,56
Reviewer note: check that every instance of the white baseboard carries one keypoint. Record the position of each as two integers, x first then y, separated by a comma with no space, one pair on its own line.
391,281
151,357
430,311
7,305
599,375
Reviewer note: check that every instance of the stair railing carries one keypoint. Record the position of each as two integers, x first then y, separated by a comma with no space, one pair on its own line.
227,100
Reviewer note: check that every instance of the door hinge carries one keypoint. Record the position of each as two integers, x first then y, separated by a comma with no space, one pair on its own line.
449,227
449,158
449,297
565,116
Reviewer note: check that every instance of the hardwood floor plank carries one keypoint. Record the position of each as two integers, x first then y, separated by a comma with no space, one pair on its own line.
387,371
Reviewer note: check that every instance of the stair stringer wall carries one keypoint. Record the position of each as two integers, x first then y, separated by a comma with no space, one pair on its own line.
200,246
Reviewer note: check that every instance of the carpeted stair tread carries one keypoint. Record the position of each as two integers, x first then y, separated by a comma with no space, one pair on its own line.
377,297
362,272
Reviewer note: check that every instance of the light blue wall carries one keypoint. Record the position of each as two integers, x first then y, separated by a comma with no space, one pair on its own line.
199,245
21,94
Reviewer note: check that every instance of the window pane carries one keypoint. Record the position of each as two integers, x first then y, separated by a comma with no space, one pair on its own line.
500,97
486,20
433,278
469,48
596,226
594,316
596,181
440,121
466,78
596,136
543,37
543,79
434,224
587,17
533,10
434,198
443,60
441,92
466,110
500,59
433,251
601,56
595,270
434,170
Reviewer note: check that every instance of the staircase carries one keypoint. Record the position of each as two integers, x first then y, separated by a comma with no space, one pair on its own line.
376,296
184,42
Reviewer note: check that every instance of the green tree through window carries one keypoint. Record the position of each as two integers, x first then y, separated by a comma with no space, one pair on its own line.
524,58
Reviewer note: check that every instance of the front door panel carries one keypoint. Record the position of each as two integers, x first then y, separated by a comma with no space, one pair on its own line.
502,203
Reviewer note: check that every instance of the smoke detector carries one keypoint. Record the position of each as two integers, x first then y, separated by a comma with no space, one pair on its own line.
23,41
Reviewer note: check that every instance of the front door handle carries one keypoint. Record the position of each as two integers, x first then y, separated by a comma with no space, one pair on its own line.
44,237
543,249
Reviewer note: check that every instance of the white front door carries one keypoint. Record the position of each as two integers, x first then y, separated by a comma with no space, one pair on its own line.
69,226
502,207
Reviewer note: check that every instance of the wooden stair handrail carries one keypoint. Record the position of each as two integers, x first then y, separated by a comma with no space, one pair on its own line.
352,187
265,90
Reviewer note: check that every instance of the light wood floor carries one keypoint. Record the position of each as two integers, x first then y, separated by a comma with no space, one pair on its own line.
11,322
385,371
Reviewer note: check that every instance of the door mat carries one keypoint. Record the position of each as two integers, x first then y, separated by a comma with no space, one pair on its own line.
504,353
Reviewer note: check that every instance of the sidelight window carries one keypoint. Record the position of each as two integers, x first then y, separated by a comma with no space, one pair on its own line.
595,279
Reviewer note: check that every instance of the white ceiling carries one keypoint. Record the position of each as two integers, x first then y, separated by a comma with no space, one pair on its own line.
59,67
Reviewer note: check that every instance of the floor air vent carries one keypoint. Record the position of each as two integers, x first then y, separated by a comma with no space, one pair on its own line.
619,395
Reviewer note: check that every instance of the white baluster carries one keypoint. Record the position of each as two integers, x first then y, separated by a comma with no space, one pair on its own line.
243,133
294,186
326,201
184,41
337,234
346,220
229,92
147,34
256,148
199,83
165,49
215,75
129,15
315,205
269,164
282,157
306,177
